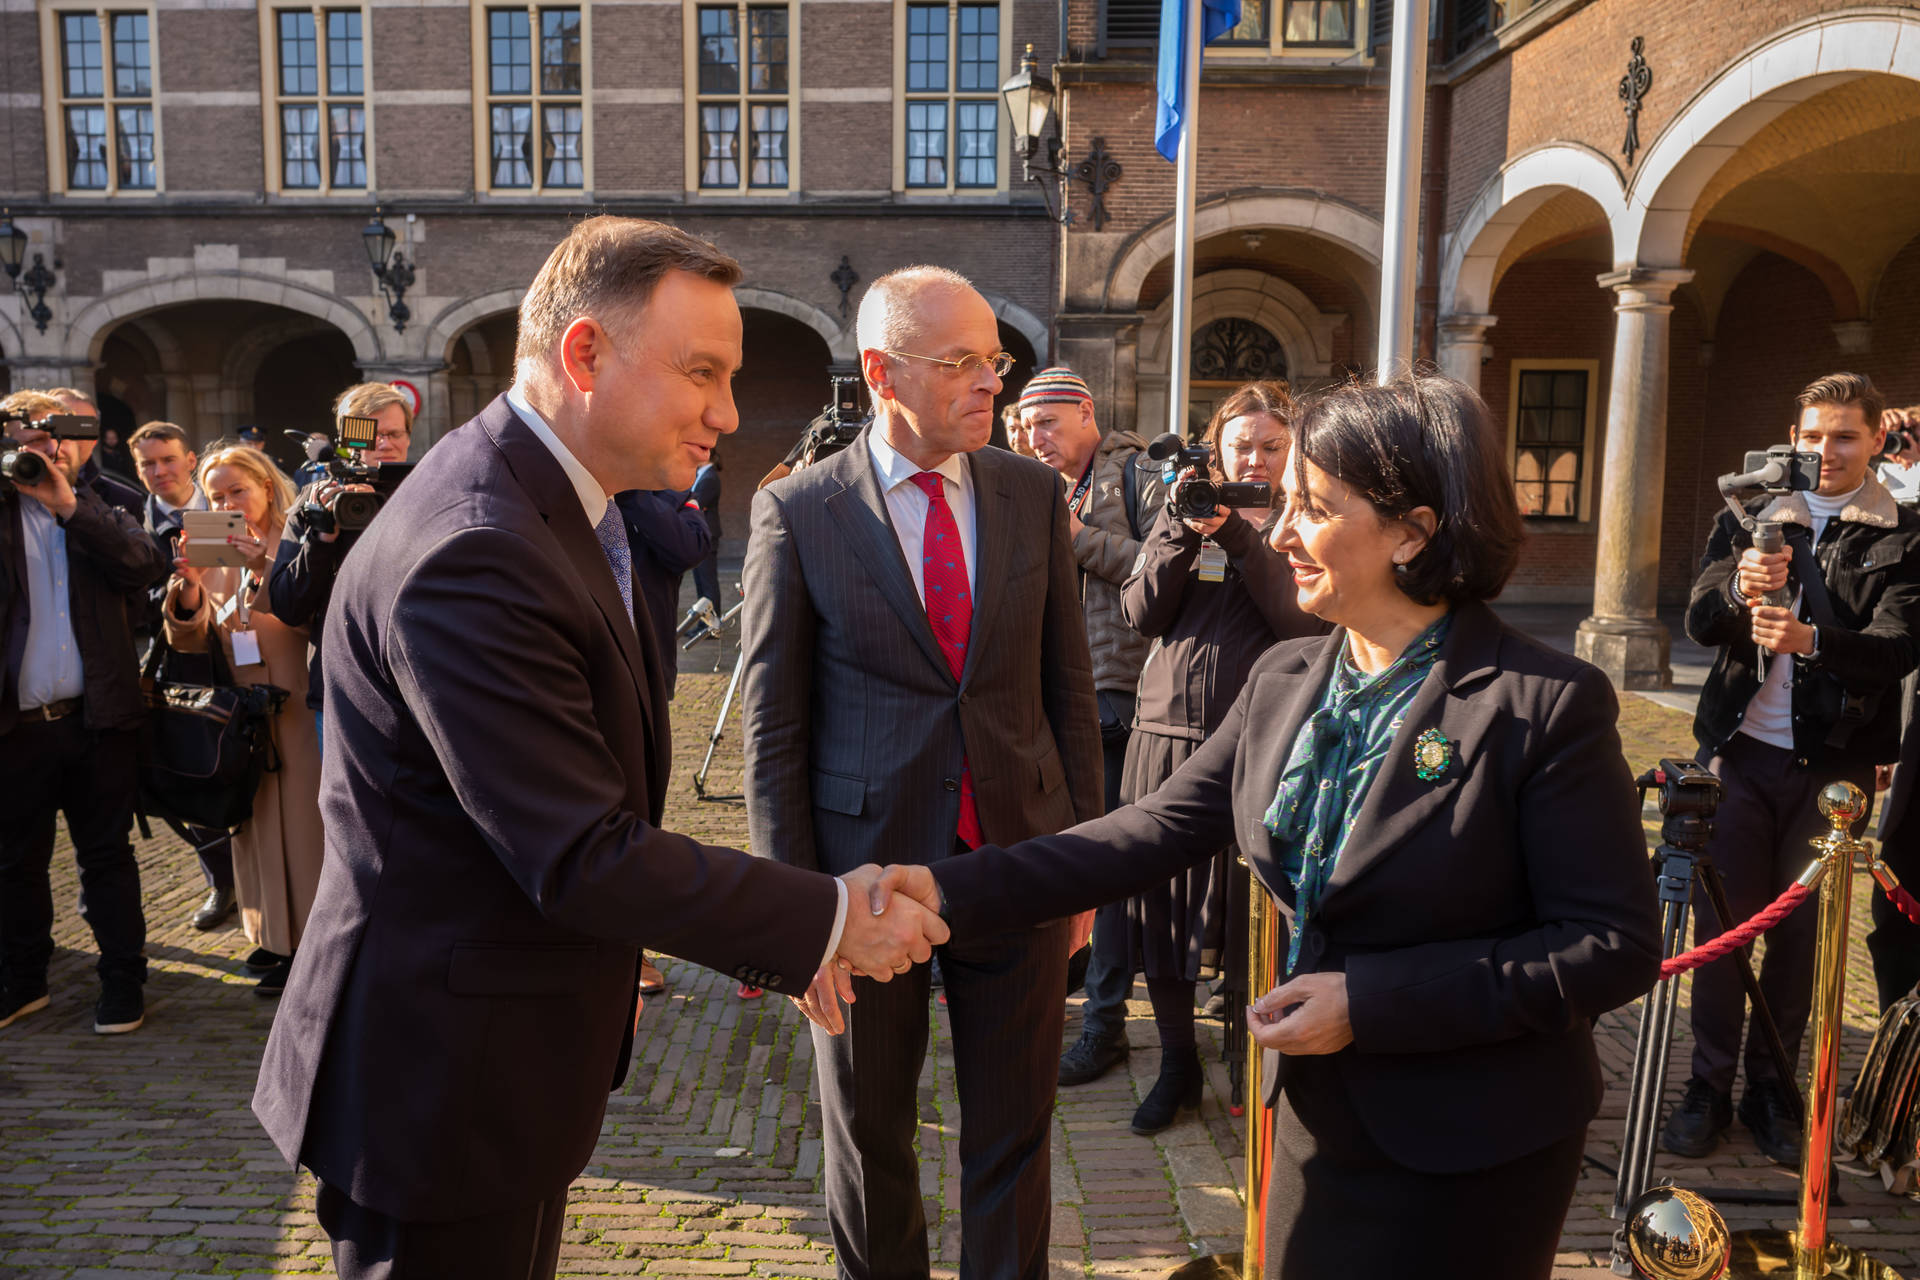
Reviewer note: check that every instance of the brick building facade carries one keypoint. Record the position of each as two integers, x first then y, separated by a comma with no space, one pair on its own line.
1637,321
199,173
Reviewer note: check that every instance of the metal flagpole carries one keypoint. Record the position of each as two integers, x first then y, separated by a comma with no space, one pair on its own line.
1406,126
1180,361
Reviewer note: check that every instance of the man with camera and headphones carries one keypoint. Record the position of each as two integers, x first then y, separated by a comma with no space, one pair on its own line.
70,705
1111,506
313,543
1813,640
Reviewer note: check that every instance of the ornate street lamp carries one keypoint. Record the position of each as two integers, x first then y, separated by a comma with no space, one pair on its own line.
390,268
33,286
1030,99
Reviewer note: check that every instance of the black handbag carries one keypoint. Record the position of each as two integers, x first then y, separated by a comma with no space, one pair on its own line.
206,744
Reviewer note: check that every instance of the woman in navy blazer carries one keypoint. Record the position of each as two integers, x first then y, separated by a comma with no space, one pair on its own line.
1441,810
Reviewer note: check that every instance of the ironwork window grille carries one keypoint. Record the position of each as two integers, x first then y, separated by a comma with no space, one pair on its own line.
1550,441
952,81
321,99
106,102
744,113
536,103
1319,22
1236,350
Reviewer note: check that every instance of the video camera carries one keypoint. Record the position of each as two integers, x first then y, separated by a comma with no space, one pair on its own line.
350,510
1778,470
1198,498
837,426
27,466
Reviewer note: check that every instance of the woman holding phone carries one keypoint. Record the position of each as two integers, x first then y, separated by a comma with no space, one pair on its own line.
276,852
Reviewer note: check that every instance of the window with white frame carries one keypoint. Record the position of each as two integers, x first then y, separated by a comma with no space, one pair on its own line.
106,101
319,118
952,126
743,107
536,107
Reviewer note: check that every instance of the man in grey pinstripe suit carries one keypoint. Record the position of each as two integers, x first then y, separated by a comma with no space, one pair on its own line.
880,729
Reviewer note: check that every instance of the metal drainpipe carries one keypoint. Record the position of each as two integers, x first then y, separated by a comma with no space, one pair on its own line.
1433,195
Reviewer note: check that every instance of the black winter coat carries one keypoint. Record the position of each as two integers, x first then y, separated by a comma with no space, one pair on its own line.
110,561
1846,704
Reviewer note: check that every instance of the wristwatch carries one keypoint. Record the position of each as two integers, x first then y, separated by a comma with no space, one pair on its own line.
1815,651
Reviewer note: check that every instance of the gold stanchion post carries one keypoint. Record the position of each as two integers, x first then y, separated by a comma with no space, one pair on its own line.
1263,967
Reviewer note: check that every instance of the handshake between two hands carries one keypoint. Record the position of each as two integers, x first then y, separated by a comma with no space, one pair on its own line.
893,923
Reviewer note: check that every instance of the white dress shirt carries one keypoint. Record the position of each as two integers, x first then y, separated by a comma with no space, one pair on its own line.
50,668
907,503
593,501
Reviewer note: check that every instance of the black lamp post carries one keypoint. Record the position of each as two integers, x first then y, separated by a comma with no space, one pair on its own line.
33,286
390,268
1030,99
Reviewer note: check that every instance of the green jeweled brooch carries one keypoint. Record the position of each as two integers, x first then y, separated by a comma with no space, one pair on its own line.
1432,755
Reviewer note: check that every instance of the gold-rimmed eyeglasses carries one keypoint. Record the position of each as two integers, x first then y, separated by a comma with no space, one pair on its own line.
1001,364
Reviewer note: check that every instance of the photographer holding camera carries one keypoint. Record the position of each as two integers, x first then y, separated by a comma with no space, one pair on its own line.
1813,641
1215,596
70,709
312,542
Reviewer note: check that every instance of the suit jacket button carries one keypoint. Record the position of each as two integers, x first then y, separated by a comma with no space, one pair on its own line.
965,698
951,784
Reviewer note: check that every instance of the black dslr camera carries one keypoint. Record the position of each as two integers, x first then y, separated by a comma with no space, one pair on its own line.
29,466
1199,497
837,426
350,510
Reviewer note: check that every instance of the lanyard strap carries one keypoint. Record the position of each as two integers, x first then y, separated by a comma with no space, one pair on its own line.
1079,497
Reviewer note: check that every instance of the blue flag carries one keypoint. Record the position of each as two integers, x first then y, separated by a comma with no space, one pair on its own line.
1217,17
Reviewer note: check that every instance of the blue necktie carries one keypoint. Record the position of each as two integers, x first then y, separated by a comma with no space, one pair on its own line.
613,540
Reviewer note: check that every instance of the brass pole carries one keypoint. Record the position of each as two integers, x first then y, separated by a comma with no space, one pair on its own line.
1263,966
1843,805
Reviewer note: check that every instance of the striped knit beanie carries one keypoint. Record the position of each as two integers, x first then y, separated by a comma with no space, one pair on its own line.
1056,385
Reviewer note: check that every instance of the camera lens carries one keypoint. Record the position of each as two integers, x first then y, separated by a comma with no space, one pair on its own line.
23,466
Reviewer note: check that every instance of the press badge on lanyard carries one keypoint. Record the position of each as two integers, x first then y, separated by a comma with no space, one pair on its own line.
1213,563
246,643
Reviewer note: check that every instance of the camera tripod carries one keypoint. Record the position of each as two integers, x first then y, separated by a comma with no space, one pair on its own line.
1683,864
711,625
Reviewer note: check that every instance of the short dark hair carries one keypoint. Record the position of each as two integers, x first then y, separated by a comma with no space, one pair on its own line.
160,431
1423,440
1843,389
607,268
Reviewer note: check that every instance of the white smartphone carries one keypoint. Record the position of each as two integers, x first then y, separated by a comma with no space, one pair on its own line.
207,538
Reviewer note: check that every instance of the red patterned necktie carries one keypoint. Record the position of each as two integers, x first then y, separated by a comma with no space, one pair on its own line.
943,574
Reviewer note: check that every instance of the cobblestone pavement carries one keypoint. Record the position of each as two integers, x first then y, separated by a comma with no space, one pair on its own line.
137,1155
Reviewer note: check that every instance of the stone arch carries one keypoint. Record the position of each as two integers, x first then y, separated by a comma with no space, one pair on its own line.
88,330
1031,327
839,338
241,361
1781,71
1310,213
1509,198
11,345
461,316
1304,331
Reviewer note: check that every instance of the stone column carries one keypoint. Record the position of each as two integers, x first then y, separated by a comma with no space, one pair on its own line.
1624,638
1462,346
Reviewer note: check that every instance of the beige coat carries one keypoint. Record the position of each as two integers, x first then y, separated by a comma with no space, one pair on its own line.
277,852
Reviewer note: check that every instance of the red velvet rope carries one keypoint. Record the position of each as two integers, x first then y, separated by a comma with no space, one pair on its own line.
1900,898
1724,944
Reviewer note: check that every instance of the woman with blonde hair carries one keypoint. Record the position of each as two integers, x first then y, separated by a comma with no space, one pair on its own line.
276,852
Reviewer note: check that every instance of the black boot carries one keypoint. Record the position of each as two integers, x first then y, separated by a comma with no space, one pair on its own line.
1773,1120
1178,1089
1695,1127
1092,1057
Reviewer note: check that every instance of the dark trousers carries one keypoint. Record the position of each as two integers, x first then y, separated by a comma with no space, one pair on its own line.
706,580
54,767
1760,844
214,848
1894,945
523,1244
1110,968
1005,999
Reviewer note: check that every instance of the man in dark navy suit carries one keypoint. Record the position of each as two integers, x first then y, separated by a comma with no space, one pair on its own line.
497,757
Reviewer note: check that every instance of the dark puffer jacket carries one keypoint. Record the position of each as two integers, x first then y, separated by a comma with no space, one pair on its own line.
1107,550
1846,711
